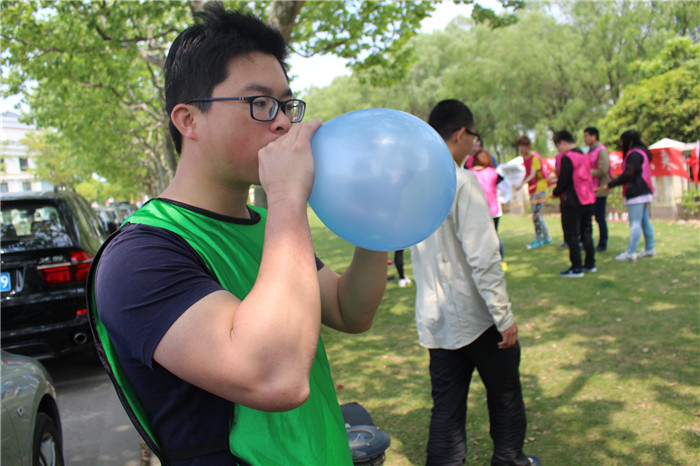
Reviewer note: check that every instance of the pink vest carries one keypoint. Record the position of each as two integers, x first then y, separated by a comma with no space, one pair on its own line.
487,178
469,162
646,169
582,177
593,157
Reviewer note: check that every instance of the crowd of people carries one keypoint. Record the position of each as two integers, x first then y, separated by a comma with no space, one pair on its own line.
582,182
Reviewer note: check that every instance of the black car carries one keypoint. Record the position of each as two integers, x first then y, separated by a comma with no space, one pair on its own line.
48,241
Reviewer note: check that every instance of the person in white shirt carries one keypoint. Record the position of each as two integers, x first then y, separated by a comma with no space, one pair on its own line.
463,314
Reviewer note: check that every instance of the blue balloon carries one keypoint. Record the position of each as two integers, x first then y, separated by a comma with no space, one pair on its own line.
385,179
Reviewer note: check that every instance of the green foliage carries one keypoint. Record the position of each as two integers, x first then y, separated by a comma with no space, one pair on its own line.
667,102
678,52
690,203
89,190
52,163
540,75
616,201
92,71
373,35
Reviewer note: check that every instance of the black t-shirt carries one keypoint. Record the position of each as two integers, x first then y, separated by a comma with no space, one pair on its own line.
147,278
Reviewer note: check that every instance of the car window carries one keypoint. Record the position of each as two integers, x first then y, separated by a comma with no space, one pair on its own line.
88,218
28,227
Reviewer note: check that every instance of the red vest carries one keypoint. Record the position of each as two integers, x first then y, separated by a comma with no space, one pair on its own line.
527,162
646,169
593,157
582,177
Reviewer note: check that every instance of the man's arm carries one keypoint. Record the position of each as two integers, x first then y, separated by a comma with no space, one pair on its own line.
480,245
602,165
350,301
258,352
565,177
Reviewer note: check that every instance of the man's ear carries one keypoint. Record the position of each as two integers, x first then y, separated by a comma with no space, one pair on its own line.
182,117
458,135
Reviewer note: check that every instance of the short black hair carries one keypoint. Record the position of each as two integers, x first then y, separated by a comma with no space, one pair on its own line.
592,131
198,58
563,135
450,115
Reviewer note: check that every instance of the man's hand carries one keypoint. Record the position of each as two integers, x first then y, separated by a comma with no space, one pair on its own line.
287,165
510,337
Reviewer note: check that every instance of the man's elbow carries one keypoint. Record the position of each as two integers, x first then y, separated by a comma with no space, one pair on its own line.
281,398
360,327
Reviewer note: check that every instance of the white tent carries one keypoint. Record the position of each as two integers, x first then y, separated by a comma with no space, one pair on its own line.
673,144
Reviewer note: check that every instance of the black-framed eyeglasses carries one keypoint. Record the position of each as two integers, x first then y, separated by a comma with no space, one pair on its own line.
475,134
264,107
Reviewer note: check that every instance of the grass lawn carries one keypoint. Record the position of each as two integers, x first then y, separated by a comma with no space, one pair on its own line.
609,361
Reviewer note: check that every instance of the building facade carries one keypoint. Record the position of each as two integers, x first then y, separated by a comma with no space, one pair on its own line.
17,165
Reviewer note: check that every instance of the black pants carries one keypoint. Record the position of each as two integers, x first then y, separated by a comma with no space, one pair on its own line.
576,222
500,243
398,263
450,375
599,214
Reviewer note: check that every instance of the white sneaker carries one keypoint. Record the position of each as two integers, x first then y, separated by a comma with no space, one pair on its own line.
645,253
403,282
626,257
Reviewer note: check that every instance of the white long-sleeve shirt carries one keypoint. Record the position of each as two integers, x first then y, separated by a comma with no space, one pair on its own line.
460,285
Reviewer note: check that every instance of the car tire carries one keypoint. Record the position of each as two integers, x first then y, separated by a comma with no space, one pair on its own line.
47,449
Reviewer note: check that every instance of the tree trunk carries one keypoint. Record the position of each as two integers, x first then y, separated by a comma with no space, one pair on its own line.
283,16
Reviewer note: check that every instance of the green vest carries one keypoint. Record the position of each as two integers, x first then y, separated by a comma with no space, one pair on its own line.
312,434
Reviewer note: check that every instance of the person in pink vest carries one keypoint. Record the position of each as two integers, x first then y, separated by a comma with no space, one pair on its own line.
637,190
599,158
575,188
536,180
488,178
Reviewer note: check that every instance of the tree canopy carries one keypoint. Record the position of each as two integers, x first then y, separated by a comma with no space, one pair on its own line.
666,102
92,71
556,68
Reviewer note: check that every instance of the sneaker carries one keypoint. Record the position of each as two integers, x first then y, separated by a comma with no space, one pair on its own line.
572,273
535,244
390,277
534,461
600,248
590,269
548,241
563,245
646,253
626,257
403,282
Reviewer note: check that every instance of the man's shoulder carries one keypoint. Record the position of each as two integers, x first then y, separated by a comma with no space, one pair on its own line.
465,176
134,236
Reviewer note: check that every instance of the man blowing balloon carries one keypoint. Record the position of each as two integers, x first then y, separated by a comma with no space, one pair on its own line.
212,307
463,314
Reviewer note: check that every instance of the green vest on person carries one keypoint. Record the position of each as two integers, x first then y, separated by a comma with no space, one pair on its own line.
312,434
